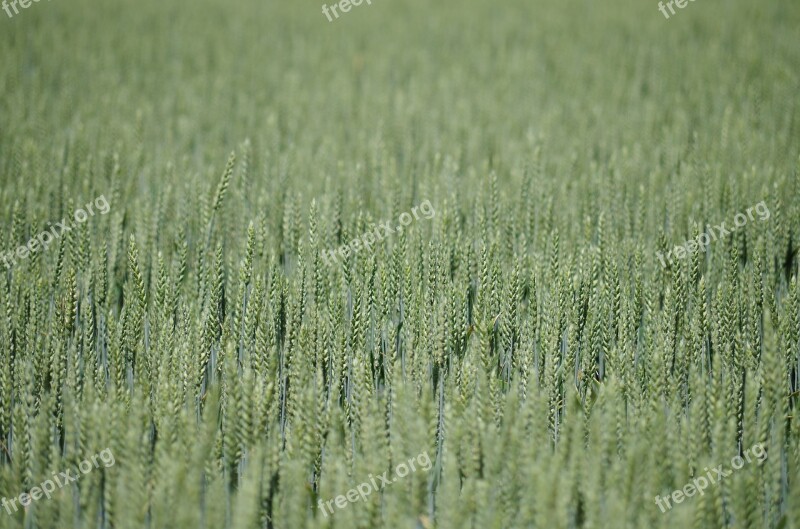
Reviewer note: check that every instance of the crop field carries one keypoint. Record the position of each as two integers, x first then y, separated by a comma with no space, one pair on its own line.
421,265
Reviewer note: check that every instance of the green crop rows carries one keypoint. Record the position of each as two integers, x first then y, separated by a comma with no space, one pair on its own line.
526,337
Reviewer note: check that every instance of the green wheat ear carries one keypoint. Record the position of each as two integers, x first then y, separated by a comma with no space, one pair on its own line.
219,197
222,187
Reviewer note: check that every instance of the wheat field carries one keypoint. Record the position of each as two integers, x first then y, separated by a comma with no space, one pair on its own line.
193,327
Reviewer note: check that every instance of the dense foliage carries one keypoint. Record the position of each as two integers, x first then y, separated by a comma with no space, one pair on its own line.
527,337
